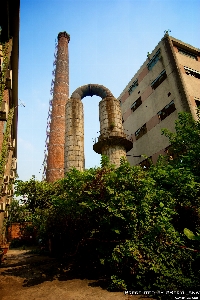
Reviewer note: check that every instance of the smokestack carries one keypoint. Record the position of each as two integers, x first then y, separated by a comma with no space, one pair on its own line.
55,160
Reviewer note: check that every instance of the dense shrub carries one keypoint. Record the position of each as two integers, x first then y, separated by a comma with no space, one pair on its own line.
132,219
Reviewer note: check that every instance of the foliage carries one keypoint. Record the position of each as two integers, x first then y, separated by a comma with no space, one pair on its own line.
185,144
18,213
4,150
34,193
3,156
129,220
5,52
190,235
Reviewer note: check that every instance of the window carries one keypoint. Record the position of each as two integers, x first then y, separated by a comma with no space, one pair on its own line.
136,104
141,131
145,164
154,60
197,101
189,54
192,72
167,110
133,86
172,154
162,76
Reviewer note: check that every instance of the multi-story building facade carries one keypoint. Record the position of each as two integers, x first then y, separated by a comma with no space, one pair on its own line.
167,83
9,54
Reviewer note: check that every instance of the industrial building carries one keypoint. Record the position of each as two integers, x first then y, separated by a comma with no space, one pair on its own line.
9,56
167,83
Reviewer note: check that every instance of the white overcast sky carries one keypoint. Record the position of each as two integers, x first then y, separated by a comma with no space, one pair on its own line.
109,42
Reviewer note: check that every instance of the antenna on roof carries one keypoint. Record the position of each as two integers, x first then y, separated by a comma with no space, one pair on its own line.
167,31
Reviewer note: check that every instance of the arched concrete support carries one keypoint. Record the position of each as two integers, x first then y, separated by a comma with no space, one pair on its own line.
112,140
91,90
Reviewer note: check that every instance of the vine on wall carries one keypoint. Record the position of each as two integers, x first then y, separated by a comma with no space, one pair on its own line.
6,54
4,149
6,47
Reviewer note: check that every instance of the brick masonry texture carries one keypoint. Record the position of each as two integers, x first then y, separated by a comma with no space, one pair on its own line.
55,160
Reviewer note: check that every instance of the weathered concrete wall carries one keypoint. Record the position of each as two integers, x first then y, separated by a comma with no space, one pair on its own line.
74,135
112,141
110,117
114,152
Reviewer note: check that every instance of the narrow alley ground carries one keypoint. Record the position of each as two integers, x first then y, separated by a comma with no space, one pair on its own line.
27,276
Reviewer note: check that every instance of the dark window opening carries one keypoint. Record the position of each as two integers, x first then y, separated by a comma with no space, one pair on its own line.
192,72
141,131
133,86
159,79
168,94
169,151
154,60
197,102
167,110
186,53
136,104
174,154
145,164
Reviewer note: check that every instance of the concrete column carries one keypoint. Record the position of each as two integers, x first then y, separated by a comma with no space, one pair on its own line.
114,152
112,141
110,117
74,135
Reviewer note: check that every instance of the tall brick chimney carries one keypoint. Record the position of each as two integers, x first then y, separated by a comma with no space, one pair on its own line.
55,160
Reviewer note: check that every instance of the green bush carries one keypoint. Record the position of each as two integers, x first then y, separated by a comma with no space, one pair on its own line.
127,221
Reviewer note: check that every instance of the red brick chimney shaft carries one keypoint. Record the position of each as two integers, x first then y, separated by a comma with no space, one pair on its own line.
55,160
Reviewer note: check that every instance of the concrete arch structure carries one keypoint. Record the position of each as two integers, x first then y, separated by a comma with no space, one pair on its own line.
112,141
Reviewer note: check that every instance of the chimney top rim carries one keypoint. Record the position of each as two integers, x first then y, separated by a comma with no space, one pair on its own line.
64,34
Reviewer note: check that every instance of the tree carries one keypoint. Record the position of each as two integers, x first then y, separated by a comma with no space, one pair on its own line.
129,219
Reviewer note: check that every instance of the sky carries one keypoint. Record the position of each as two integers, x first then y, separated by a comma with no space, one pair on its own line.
109,41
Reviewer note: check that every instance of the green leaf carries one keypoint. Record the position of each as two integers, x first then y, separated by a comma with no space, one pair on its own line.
190,235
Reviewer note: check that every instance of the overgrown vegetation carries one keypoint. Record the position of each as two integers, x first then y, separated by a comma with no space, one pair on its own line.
128,222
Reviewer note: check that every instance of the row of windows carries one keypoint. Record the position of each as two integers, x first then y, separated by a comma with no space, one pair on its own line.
167,110
162,114
191,72
141,131
154,60
133,86
150,66
146,163
186,53
162,76
136,104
